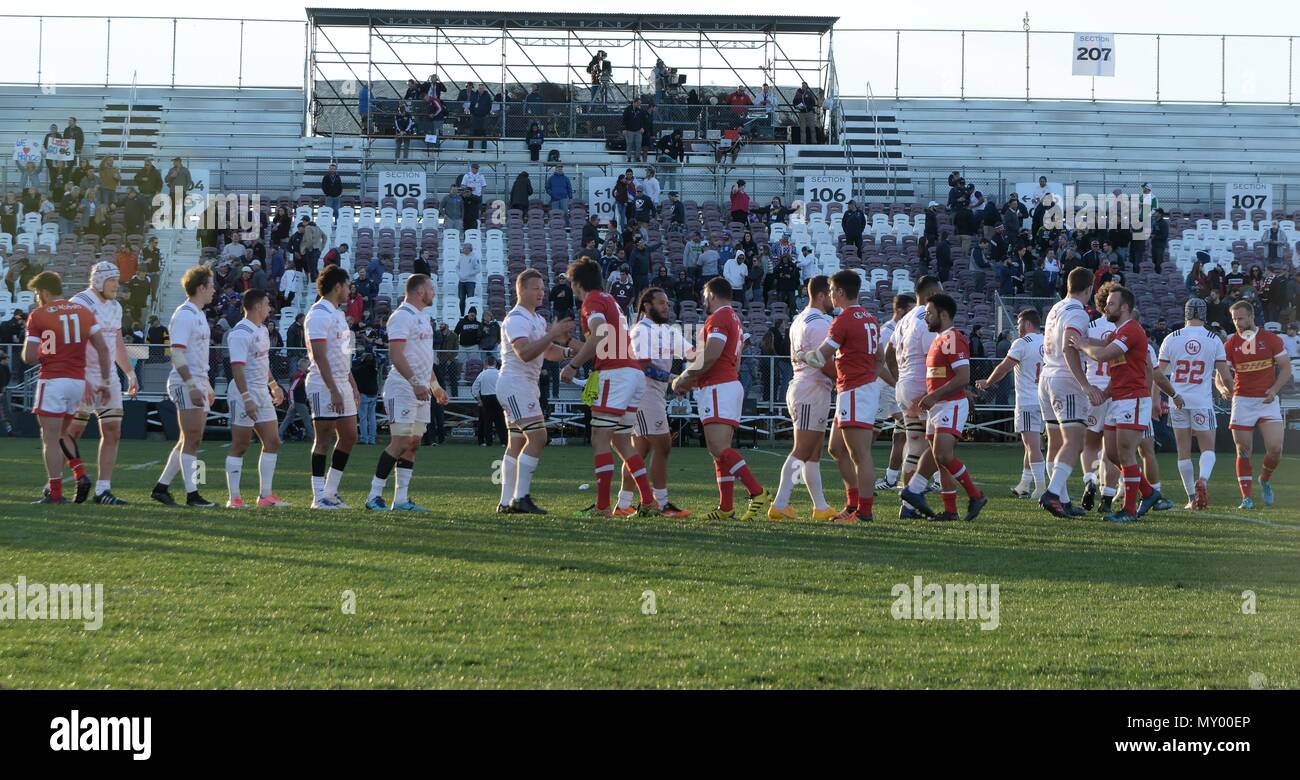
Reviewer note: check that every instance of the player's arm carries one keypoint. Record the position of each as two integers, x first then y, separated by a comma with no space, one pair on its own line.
1100,351
712,351
529,350
1159,381
1283,363
882,367
1075,364
32,349
1223,378
1000,370
599,331
960,379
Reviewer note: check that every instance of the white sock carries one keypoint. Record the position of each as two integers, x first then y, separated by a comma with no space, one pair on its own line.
1089,476
509,466
661,496
102,487
1060,478
1025,477
624,499
234,467
789,469
403,484
173,466
1155,486
1188,474
891,476
1107,491
332,479
1207,465
187,472
918,484
317,487
812,477
266,473
377,486
525,466
1039,471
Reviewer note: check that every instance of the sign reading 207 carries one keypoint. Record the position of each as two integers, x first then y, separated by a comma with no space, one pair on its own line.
1094,54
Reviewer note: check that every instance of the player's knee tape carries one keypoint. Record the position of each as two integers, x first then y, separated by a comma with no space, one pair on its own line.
524,428
405,429
602,420
627,422
111,414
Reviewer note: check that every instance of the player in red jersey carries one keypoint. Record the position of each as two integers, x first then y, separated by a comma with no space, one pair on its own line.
715,378
947,374
1129,412
621,380
854,342
57,333
1261,368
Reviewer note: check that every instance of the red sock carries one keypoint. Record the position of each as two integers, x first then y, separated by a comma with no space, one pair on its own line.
636,465
949,500
1132,487
1243,476
864,505
852,495
737,467
1144,486
958,471
56,489
78,467
604,476
1270,463
726,486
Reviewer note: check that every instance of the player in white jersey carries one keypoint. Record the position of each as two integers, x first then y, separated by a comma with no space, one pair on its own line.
889,411
101,298
908,349
409,391
1191,356
187,385
1095,460
658,342
808,400
1064,395
1025,358
331,390
526,341
252,396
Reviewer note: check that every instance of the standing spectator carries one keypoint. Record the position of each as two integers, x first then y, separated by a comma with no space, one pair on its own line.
52,166
521,191
1274,241
468,331
489,339
672,153
736,271
1159,238
472,185
452,208
179,182
787,280
313,241
403,129
490,415
621,287
109,177
808,265
634,122
366,373
480,110
559,189
561,298
854,223
805,113
331,186
135,210
137,294
468,267
447,344
943,257
779,345
148,180
710,262
126,260
739,202
535,138
74,132
649,186
676,213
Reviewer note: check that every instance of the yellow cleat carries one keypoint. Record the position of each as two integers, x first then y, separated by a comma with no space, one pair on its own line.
781,514
718,514
824,514
756,506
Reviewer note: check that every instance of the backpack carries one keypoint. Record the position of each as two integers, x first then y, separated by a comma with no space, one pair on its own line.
553,156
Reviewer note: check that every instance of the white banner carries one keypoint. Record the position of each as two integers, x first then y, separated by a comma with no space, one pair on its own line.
402,184
1030,193
833,187
197,196
60,149
25,151
1094,54
600,197
1248,196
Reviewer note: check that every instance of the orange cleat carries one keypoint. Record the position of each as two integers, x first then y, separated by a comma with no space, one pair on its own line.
668,510
236,503
773,513
625,511
824,514
271,500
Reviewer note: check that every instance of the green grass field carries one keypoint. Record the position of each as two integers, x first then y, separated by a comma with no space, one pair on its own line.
464,598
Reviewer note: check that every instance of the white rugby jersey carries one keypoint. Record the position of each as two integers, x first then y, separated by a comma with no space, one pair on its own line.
108,315
1066,315
808,332
1191,353
1098,373
1027,351
658,345
250,345
413,328
912,339
189,329
326,323
520,323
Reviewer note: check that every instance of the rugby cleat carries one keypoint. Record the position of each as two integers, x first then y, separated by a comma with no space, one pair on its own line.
1052,503
271,500
1247,503
855,516
1162,505
945,517
83,490
376,504
525,506
624,511
718,514
592,513
1120,517
46,499
1266,491
1192,504
917,502
1073,511
108,499
1089,495
824,514
1106,505
408,506
648,510
162,495
1202,494
675,512
884,484
973,507
1147,504
504,509
195,501
1016,492
236,503
757,506
906,512
327,502
782,513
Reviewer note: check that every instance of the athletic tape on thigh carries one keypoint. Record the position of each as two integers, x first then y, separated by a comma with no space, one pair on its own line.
405,429
532,426
599,420
110,414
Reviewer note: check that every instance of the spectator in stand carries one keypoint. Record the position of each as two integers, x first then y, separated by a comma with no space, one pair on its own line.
299,411
472,186
337,256
676,211
480,110
809,265
622,287
1274,242
10,207
559,189
468,330
313,240
491,417
520,192
977,342
52,166
943,257
366,373
127,260
710,261
965,225
1235,281
683,289
135,211
1159,238
650,187
671,154
634,124
179,182
776,212
490,336
805,113
295,335
452,208
756,279
331,186
787,279
403,131
468,267
735,271
355,308
561,298
739,202
137,294
533,103
854,224
638,265
534,140
74,132
979,264
148,180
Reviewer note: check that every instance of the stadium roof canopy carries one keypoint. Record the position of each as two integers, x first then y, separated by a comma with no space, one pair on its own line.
542,20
